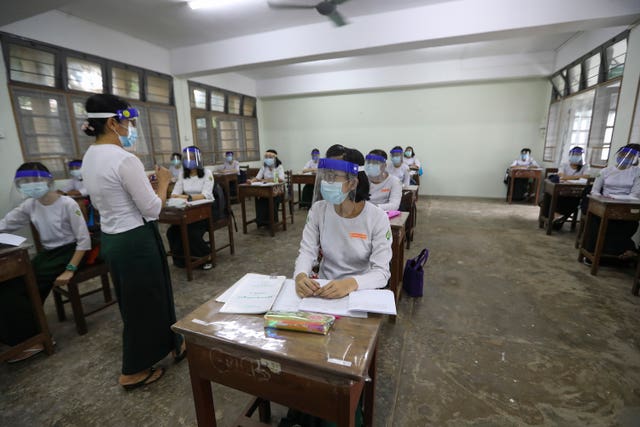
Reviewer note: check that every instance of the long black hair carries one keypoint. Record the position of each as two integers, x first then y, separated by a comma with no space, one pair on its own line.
336,151
354,156
187,171
101,103
33,166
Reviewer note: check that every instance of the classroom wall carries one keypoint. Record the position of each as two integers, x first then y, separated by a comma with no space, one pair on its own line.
464,135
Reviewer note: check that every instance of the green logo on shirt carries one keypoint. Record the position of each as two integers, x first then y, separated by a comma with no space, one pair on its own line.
78,213
388,234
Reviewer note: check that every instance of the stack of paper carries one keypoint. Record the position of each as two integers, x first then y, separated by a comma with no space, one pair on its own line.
253,294
11,239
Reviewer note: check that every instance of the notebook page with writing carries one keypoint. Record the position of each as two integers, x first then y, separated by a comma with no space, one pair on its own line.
287,299
254,294
338,306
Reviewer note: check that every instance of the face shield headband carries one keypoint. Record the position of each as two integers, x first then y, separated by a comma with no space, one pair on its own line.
127,114
339,165
75,165
396,151
33,174
376,158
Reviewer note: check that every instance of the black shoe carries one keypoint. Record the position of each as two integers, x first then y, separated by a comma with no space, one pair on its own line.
587,261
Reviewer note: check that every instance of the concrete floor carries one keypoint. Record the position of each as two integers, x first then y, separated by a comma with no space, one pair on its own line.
511,331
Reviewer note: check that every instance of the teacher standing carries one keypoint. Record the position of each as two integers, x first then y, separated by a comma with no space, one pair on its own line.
131,244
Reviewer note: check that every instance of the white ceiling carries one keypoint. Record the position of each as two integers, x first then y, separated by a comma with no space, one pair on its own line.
270,46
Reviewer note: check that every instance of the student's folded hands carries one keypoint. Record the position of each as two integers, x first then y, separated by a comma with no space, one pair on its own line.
337,288
305,286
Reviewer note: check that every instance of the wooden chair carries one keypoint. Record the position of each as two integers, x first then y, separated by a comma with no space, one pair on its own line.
549,171
287,197
71,293
226,222
252,172
408,204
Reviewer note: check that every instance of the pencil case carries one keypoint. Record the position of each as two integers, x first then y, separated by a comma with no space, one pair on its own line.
302,321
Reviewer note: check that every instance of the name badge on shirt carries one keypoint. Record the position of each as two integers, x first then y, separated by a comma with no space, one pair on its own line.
358,236
385,190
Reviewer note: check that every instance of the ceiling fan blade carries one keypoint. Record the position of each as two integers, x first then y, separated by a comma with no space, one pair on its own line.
337,19
289,6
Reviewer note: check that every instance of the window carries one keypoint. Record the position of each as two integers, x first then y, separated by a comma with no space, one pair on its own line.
634,134
125,83
31,66
559,84
575,77
616,54
604,117
216,131
592,69
84,75
551,139
54,84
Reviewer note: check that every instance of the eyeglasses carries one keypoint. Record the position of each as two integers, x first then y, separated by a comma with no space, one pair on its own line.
331,176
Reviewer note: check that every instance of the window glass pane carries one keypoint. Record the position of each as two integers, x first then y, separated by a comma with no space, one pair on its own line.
31,66
592,69
559,84
248,106
217,101
125,83
199,98
228,135
164,131
158,90
634,137
234,104
604,112
84,75
551,139
575,74
616,55
79,117
44,126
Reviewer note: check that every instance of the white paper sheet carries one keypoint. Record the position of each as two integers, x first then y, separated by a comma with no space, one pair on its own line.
373,301
11,239
624,197
254,294
287,299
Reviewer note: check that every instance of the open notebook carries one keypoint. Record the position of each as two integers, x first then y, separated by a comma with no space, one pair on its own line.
257,293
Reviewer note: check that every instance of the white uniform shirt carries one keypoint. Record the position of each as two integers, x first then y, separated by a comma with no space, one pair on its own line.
75,184
566,170
613,181
401,172
410,161
311,165
119,188
176,172
228,167
387,194
267,173
194,185
525,163
357,247
58,224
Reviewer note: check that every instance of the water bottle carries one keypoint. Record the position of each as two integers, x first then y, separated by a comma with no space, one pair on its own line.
275,176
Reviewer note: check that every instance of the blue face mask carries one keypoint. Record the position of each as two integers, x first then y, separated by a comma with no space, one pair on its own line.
75,173
176,162
315,157
524,157
269,161
34,190
332,192
575,159
408,153
229,159
396,160
372,170
129,140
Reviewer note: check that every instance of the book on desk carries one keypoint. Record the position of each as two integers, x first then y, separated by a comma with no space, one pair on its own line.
258,293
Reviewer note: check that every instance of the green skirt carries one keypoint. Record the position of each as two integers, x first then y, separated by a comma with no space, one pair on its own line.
138,265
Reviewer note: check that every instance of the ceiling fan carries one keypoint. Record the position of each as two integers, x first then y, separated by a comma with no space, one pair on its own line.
328,8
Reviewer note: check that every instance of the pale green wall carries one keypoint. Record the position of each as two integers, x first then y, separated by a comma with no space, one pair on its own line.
465,135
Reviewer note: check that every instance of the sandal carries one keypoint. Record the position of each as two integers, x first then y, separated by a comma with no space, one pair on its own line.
26,354
183,353
149,379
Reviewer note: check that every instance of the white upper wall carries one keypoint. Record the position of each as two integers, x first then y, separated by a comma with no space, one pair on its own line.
230,81
583,44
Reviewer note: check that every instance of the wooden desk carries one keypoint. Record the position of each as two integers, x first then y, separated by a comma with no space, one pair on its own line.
15,262
290,368
555,192
302,178
398,224
414,188
269,191
225,179
184,217
606,209
533,173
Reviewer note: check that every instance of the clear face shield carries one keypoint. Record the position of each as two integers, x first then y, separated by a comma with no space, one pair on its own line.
74,169
191,158
625,157
127,119
375,167
336,181
396,157
575,156
30,184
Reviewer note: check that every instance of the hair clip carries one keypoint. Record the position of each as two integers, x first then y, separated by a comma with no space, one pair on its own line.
86,126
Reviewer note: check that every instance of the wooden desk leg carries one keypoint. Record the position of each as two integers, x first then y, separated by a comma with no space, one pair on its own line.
186,250
347,405
538,182
370,391
602,234
202,397
299,196
36,303
212,240
284,211
583,238
510,193
552,210
272,224
635,289
244,213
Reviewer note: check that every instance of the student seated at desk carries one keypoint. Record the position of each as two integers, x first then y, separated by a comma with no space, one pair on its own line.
64,237
412,161
398,168
385,190
176,166
75,187
271,171
521,185
622,178
355,235
230,164
196,183
310,167
573,170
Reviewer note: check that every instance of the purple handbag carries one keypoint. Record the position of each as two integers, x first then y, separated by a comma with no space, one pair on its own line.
413,278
